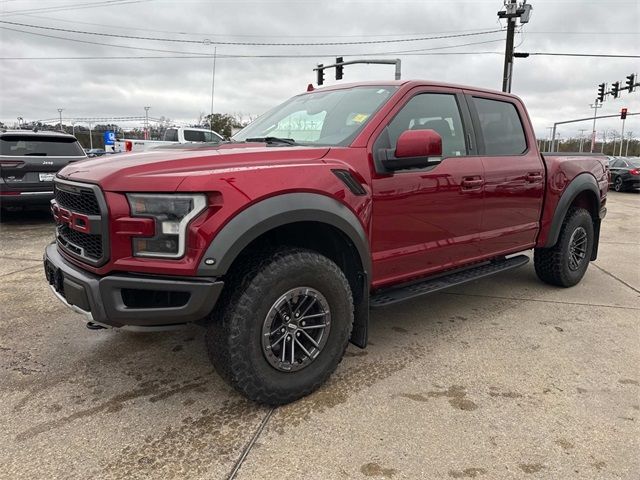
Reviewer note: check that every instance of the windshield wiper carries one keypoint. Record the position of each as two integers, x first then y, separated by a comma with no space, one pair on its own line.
34,154
286,141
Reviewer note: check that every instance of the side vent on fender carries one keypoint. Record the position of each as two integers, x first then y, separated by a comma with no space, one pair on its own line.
351,183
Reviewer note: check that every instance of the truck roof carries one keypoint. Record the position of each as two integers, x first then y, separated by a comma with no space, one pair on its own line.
408,84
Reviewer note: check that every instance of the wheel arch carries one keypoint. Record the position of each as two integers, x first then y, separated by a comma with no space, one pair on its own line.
306,220
582,192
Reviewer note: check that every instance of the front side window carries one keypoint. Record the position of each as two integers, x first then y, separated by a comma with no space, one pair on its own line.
331,117
431,111
501,127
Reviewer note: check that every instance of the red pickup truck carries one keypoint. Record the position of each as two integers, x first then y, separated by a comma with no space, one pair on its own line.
339,200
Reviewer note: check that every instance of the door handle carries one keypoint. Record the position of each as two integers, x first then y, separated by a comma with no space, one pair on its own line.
471,183
533,177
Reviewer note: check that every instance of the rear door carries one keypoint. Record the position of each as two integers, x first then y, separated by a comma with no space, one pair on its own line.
28,163
514,173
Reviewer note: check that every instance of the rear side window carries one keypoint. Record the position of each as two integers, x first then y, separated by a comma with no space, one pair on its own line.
501,127
39,146
171,135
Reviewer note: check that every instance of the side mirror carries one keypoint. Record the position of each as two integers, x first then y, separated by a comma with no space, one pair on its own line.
419,143
413,150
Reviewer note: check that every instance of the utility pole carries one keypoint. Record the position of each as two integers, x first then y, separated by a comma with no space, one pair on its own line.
60,113
146,123
510,8
595,107
604,140
512,12
626,152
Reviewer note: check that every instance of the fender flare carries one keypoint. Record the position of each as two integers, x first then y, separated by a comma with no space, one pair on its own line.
274,212
581,183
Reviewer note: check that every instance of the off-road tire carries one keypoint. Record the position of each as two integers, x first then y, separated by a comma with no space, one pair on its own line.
552,264
234,334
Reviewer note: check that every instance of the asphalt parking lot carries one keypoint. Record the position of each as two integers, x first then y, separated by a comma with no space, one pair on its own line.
500,379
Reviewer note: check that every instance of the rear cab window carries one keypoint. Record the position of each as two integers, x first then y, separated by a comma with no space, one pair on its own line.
171,135
39,146
500,126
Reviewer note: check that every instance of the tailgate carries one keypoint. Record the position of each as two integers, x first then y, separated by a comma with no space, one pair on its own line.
28,162
30,173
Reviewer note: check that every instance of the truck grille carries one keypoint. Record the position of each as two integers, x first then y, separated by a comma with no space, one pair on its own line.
78,207
82,202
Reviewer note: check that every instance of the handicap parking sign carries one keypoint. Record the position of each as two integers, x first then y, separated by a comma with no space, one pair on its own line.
109,137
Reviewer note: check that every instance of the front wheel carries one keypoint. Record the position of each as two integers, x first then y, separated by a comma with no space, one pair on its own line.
282,327
566,262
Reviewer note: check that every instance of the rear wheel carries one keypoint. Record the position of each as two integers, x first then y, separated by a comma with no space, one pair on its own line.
566,262
282,327
618,185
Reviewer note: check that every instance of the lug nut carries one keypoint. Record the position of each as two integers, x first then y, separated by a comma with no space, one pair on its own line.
297,334
302,323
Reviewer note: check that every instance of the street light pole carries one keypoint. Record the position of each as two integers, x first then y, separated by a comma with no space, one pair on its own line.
548,142
146,123
621,137
213,85
582,130
626,152
60,113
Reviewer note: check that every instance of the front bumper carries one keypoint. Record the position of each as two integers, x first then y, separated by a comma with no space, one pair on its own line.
134,302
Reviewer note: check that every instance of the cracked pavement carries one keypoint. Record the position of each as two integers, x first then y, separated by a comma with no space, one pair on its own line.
504,378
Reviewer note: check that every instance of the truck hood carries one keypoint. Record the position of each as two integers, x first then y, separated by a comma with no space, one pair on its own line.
165,170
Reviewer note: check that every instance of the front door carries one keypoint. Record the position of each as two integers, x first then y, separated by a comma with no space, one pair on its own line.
426,219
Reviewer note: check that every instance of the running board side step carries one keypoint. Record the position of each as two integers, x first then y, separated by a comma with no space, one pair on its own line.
400,294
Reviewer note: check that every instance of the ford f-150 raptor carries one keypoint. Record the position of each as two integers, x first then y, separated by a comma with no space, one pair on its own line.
340,200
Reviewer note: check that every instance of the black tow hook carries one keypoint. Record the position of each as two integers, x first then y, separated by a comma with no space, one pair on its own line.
94,326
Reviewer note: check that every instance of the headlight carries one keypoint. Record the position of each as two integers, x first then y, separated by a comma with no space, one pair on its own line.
172,214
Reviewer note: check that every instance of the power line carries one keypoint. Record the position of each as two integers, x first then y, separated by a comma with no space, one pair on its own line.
219,56
253,44
206,55
77,6
253,35
596,55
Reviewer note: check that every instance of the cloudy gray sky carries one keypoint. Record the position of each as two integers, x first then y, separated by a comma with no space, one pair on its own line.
53,76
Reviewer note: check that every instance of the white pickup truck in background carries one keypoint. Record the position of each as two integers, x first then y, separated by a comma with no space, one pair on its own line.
172,135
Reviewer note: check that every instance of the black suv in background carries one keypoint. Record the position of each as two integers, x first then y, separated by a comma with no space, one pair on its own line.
29,160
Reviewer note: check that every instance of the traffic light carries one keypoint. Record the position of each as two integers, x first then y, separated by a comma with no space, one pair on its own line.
631,80
339,68
320,71
615,89
601,88
623,114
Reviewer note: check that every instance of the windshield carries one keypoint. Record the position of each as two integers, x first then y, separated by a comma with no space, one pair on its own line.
333,117
40,146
